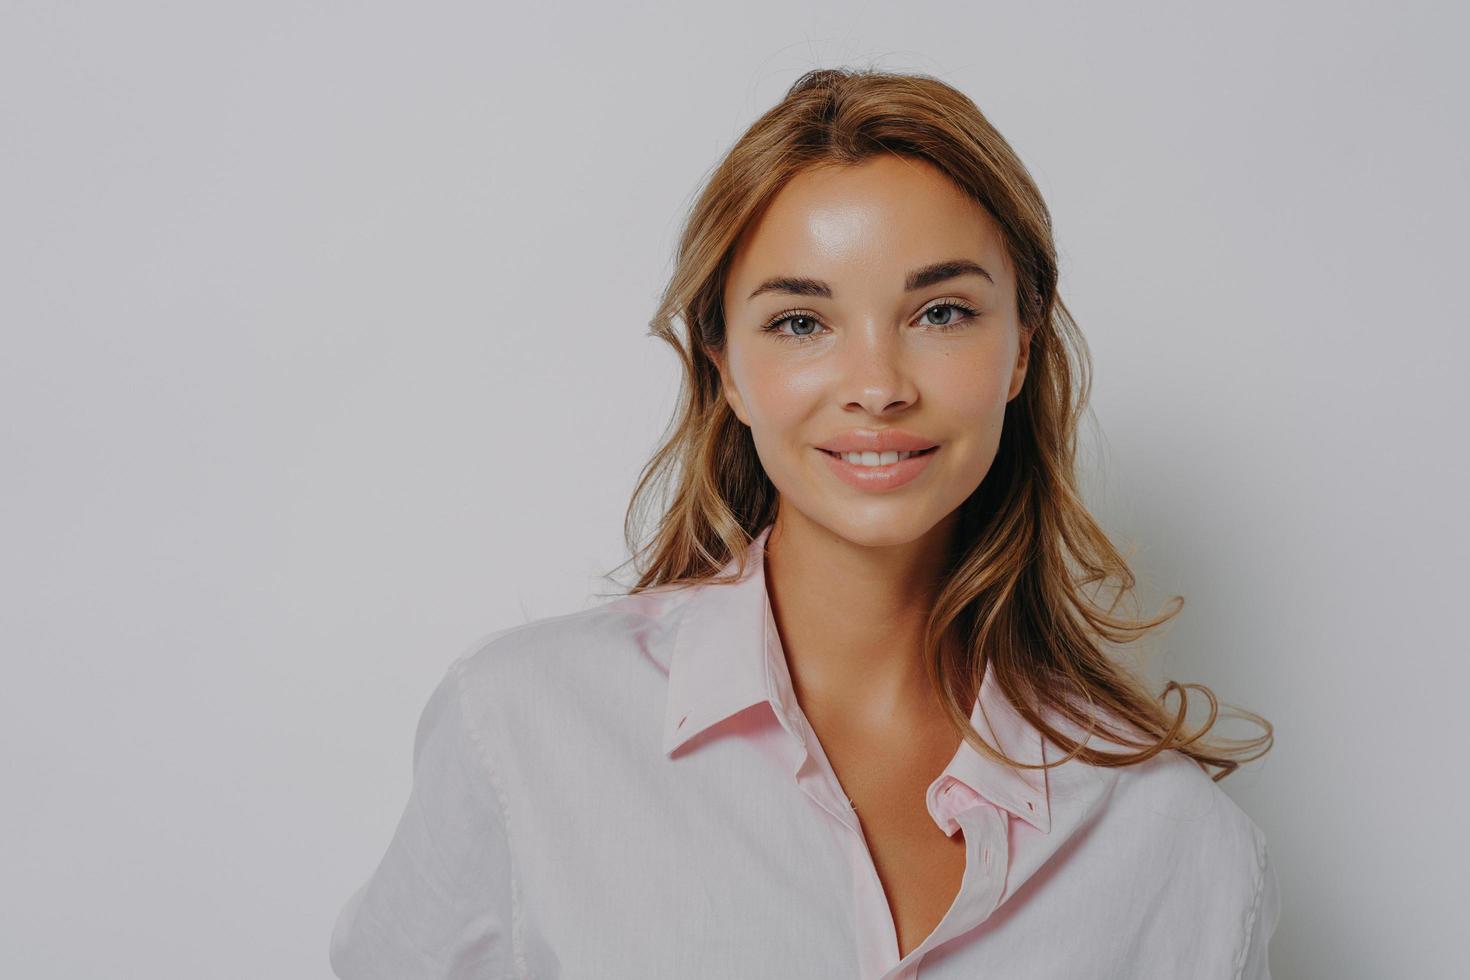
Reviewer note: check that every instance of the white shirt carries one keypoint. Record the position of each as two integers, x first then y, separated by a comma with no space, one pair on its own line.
632,791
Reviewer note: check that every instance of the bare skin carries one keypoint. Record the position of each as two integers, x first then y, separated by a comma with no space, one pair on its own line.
852,573
885,772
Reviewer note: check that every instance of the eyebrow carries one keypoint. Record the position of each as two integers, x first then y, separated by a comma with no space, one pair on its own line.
918,279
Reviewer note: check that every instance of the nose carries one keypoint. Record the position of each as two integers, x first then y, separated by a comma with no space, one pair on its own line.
876,376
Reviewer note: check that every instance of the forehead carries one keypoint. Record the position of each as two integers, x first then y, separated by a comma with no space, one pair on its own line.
865,225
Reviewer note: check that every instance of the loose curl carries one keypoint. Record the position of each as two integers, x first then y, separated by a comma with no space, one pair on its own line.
1014,599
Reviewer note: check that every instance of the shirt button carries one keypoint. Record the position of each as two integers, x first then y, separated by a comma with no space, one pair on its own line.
681,722
948,789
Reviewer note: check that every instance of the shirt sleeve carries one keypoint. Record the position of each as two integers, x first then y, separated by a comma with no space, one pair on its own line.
1266,913
440,903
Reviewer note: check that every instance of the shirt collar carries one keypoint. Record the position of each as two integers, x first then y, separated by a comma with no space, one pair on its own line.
727,656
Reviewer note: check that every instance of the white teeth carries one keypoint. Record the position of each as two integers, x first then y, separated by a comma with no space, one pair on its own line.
874,459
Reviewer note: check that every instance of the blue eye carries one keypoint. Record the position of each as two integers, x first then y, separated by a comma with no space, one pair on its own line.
951,322
774,326
948,306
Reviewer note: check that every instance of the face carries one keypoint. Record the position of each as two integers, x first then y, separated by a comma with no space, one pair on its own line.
873,307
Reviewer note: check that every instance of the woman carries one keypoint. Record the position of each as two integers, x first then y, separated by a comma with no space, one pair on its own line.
856,718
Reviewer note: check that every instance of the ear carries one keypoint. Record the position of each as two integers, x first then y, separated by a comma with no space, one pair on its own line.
1023,360
727,386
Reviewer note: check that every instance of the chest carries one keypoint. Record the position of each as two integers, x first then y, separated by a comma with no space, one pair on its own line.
920,867
746,876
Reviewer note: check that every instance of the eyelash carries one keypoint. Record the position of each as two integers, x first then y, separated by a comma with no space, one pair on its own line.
772,326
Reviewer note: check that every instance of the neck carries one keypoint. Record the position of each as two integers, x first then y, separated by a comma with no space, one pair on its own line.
851,619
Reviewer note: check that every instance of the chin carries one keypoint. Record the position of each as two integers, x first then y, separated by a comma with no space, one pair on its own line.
877,524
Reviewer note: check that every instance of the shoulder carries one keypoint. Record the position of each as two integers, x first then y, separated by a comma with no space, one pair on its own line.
567,646
1187,810
1164,813
1193,864
595,666
1168,800
1167,834
1220,854
1210,854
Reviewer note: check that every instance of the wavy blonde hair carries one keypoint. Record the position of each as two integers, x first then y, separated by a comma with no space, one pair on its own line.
1026,548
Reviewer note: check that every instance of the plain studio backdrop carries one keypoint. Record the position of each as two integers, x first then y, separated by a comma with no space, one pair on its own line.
324,356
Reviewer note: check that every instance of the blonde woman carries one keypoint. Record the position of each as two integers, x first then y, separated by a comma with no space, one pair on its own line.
857,718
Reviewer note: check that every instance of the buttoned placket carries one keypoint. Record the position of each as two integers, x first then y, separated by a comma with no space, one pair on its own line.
987,849
987,857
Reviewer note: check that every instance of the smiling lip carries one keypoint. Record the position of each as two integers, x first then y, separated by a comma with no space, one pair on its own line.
878,478
877,441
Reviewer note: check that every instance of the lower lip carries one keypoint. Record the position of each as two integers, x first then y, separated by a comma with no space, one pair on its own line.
879,478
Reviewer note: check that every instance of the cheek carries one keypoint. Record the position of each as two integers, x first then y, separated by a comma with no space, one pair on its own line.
970,391
971,397
779,393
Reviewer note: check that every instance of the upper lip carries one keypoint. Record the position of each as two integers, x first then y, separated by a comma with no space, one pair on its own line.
876,441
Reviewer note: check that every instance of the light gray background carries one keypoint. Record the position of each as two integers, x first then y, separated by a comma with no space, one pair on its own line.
324,356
